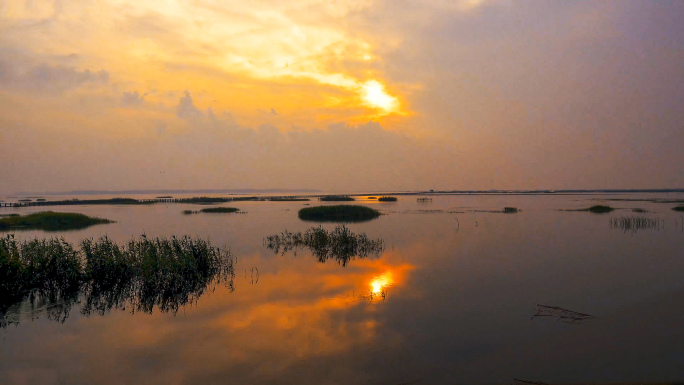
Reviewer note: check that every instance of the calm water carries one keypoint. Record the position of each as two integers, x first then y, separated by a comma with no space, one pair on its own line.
450,300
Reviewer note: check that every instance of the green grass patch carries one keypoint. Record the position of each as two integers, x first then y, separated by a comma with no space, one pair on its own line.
140,275
50,221
338,213
340,244
387,199
336,198
220,210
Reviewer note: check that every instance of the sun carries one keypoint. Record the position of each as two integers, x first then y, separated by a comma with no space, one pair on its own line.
374,95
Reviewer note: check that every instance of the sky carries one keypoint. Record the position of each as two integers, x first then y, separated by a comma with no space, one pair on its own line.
365,95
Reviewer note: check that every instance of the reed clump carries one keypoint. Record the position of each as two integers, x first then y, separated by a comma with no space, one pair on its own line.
50,221
387,199
338,213
340,244
220,210
336,198
141,274
510,210
678,208
635,223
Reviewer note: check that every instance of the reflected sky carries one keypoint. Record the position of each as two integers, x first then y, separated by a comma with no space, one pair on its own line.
449,300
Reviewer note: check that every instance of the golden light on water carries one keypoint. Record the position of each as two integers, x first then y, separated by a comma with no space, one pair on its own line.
381,282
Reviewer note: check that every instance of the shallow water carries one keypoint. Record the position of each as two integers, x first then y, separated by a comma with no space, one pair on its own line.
451,299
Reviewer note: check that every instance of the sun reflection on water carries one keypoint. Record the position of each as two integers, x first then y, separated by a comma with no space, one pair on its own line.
381,283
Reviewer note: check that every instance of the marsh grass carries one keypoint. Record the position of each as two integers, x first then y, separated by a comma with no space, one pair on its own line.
220,210
189,212
633,224
340,244
678,208
387,199
288,199
423,199
510,210
338,213
336,198
143,274
50,221
596,209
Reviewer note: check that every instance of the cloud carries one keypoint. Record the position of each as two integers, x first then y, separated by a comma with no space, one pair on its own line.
132,99
46,78
186,108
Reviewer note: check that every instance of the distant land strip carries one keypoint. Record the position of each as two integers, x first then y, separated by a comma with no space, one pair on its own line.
213,200
202,191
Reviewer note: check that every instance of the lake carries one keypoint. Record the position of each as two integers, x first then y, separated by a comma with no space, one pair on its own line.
453,298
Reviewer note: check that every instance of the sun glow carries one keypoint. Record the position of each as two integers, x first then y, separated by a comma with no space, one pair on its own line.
381,283
374,95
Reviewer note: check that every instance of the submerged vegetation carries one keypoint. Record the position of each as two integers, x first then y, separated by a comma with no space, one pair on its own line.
387,199
338,213
143,274
220,210
50,221
336,198
340,244
634,223
599,209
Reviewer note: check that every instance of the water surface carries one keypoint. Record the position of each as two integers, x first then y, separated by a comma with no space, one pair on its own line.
451,299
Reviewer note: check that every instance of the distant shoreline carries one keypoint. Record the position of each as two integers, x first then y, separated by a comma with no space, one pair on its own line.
317,191
138,192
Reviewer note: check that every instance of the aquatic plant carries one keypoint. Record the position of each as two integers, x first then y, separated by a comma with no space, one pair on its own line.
143,274
50,221
599,209
340,244
372,198
336,198
634,223
220,210
510,210
189,212
678,208
338,213
288,199
387,199
423,199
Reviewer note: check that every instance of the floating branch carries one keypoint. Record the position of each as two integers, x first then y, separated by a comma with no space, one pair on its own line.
561,315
